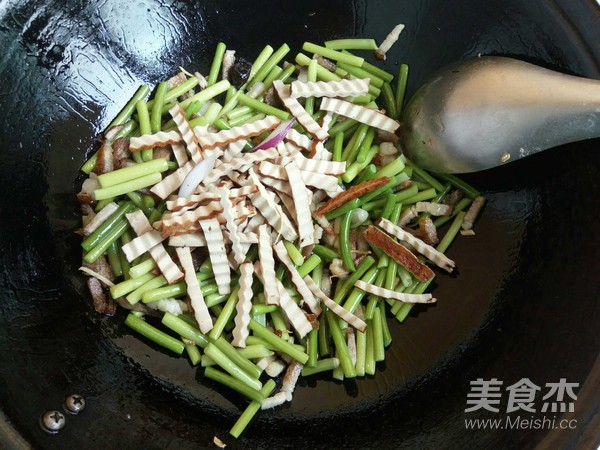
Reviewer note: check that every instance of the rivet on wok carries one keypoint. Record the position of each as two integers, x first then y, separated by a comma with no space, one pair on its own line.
74,403
52,421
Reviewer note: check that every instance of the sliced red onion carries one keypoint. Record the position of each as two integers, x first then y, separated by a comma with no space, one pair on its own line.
195,177
276,135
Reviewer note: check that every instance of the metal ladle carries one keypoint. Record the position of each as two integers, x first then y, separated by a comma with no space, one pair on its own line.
488,111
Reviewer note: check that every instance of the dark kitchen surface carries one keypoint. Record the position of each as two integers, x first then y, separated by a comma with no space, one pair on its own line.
524,303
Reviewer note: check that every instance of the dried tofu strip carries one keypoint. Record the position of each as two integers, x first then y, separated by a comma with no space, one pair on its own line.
243,306
268,169
173,224
141,244
279,185
360,113
267,265
172,182
234,235
387,293
224,137
338,310
271,210
438,258
306,230
234,150
297,280
341,88
139,223
180,154
160,139
321,181
315,165
217,254
188,240
178,115
292,311
201,313
288,204
242,163
99,218
301,140
354,192
289,149
319,152
398,252
207,195
254,223
298,111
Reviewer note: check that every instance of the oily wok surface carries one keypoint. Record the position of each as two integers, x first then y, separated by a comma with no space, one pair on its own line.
523,304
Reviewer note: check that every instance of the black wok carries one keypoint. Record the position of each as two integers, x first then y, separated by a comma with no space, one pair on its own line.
525,303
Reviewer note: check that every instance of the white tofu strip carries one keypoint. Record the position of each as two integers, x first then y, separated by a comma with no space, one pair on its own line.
141,244
234,235
160,139
438,258
298,111
267,265
321,181
243,306
217,254
201,313
301,140
271,210
315,165
167,266
172,182
233,150
337,309
224,137
208,194
393,295
200,213
279,185
243,163
301,287
360,113
178,115
341,88
99,218
301,203
180,154
188,240
435,209
320,152
292,311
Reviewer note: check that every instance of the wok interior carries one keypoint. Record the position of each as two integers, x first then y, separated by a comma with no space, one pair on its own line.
519,306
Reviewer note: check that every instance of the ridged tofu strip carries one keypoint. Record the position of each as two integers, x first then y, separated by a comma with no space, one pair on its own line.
243,306
298,111
338,310
438,258
140,224
387,293
217,254
360,113
172,182
201,313
234,235
160,139
224,137
341,88
141,244
267,264
304,220
297,280
178,115
292,311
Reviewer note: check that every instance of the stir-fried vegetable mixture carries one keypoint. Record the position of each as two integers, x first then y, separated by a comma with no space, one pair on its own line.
263,220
